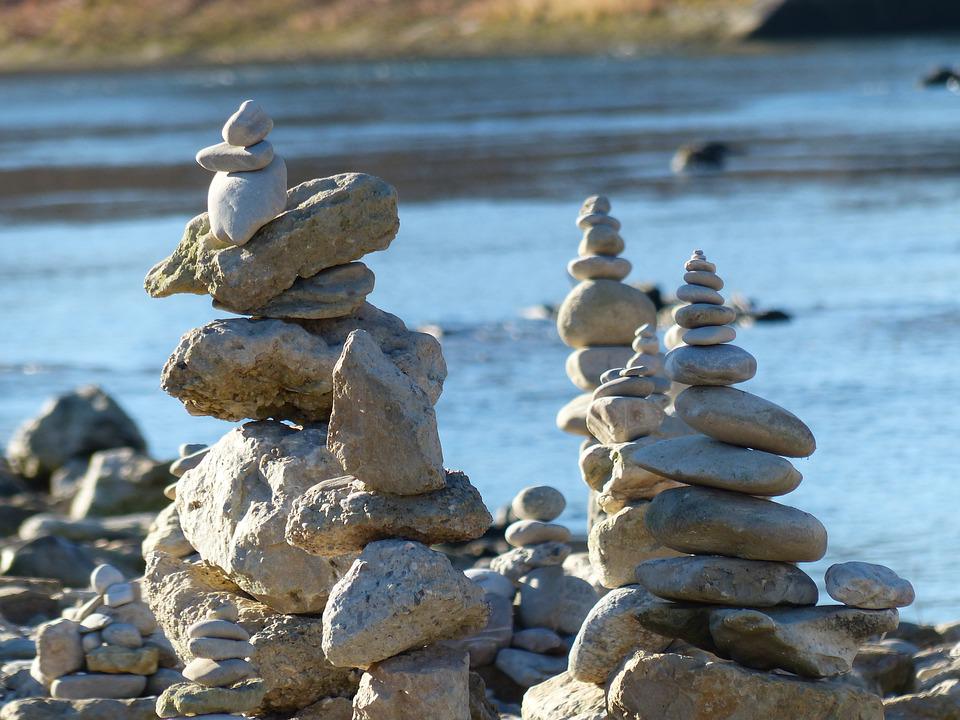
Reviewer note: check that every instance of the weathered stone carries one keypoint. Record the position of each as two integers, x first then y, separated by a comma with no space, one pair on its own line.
711,335
603,312
886,666
59,650
707,521
538,502
739,418
585,365
527,669
727,581
398,595
520,561
240,368
698,460
428,683
218,673
95,685
572,417
480,706
166,535
710,365
524,533
162,679
677,687
112,659
122,635
383,428
233,509
563,696
333,708
191,698
121,481
620,542
539,640
91,709
73,425
340,515
628,481
865,585
622,419
596,464
328,222
610,632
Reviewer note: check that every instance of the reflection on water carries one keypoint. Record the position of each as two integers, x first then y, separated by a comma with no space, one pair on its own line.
843,211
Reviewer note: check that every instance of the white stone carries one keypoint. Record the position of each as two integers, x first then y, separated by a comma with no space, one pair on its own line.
247,126
103,576
240,203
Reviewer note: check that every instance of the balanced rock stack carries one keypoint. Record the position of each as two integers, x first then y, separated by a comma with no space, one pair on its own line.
222,682
739,594
108,647
599,316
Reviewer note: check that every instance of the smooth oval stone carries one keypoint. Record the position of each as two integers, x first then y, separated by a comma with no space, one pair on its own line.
228,611
598,203
572,417
224,157
220,648
224,629
701,314
699,294
217,673
704,521
727,581
597,218
740,418
710,365
868,586
188,462
539,502
698,460
247,126
704,278
622,419
585,366
533,532
239,204
639,387
119,595
103,576
603,312
700,264
597,267
492,582
710,335
601,240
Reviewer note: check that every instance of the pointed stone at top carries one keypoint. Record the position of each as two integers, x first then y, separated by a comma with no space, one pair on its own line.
698,261
596,211
596,203
247,126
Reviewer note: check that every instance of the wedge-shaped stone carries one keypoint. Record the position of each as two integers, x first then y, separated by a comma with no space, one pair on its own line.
340,515
398,595
239,368
698,460
710,365
233,510
677,687
739,418
717,522
327,222
727,581
383,428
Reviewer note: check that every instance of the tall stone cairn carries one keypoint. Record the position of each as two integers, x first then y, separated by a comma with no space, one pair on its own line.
324,502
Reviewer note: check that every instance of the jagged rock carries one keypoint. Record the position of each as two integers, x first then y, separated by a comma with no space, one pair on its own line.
233,510
620,542
328,222
383,428
240,368
564,696
677,687
120,481
398,595
73,425
95,709
339,516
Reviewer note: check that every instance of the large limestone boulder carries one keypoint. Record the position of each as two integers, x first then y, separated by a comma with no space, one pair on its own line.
233,510
676,687
564,697
240,368
287,648
327,222
73,425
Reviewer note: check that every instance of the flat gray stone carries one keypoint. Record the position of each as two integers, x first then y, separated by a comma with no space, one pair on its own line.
599,267
524,533
248,125
240,203
492,582
217,628
189,698
98,685
703,315
710,365
727,581
865,585
224,157
45,708
716,522
220,648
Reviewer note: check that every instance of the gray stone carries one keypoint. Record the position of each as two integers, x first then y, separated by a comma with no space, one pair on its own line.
340,515
524,533
328,222
698,460
119,595
635,387
704,278
628,481
563,696
603,312
492,582
484,645
599,267
240,203
220,648
596,464
622,419
620,542
248,125
610,632
122,634
710,335
585,365
167,536
739,418
91,709
121,527
704,315
383,428
601,240
718,522
59,650
240,368
218,673
886,666
865,585
710,365
97,685
539,640
188,462
398,595
91,641
120,481
520,561
113,659
224,157
218,629
572,417
162,679
48,557
233,509
576,602
940,702
699,294
540,592
191,698
538,502
103,576
727,581
527,669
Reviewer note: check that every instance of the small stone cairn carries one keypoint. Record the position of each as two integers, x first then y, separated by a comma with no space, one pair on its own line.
108,647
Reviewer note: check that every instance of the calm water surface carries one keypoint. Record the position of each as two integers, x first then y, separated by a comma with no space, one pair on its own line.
843,210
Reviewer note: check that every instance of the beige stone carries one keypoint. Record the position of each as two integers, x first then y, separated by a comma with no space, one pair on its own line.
699,294
628,481
704,314
637,387
584,366
709,365
620,542
597,267
114,659
561,697
572,417
711,335
97,685
59,650
622,419
704,278
603,312
43,708
538,502
533,532
189,698
601,240
521,561
218,673
596,464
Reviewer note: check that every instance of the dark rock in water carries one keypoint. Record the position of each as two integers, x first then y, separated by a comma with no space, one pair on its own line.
940,77
49,557
701,156
780,19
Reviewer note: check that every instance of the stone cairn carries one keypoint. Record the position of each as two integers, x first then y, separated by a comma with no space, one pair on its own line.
739,594
107,647
313,520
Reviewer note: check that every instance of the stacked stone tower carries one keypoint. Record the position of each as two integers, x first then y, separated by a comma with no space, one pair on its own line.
324,501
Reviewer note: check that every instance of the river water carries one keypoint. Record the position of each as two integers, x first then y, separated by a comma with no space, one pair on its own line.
842,209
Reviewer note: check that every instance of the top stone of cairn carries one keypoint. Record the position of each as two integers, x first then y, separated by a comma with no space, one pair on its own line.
247,126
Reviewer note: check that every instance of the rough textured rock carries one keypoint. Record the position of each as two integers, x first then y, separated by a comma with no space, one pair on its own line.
383,428
428,683
288,656
121,481
328,222
398,595
677,687
603,312
97,709
233,509
620,542
73,425
622,419
628,481
340,515
166,535
564,697
258,369
187,698
58,650
865,585
610,632
520,561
